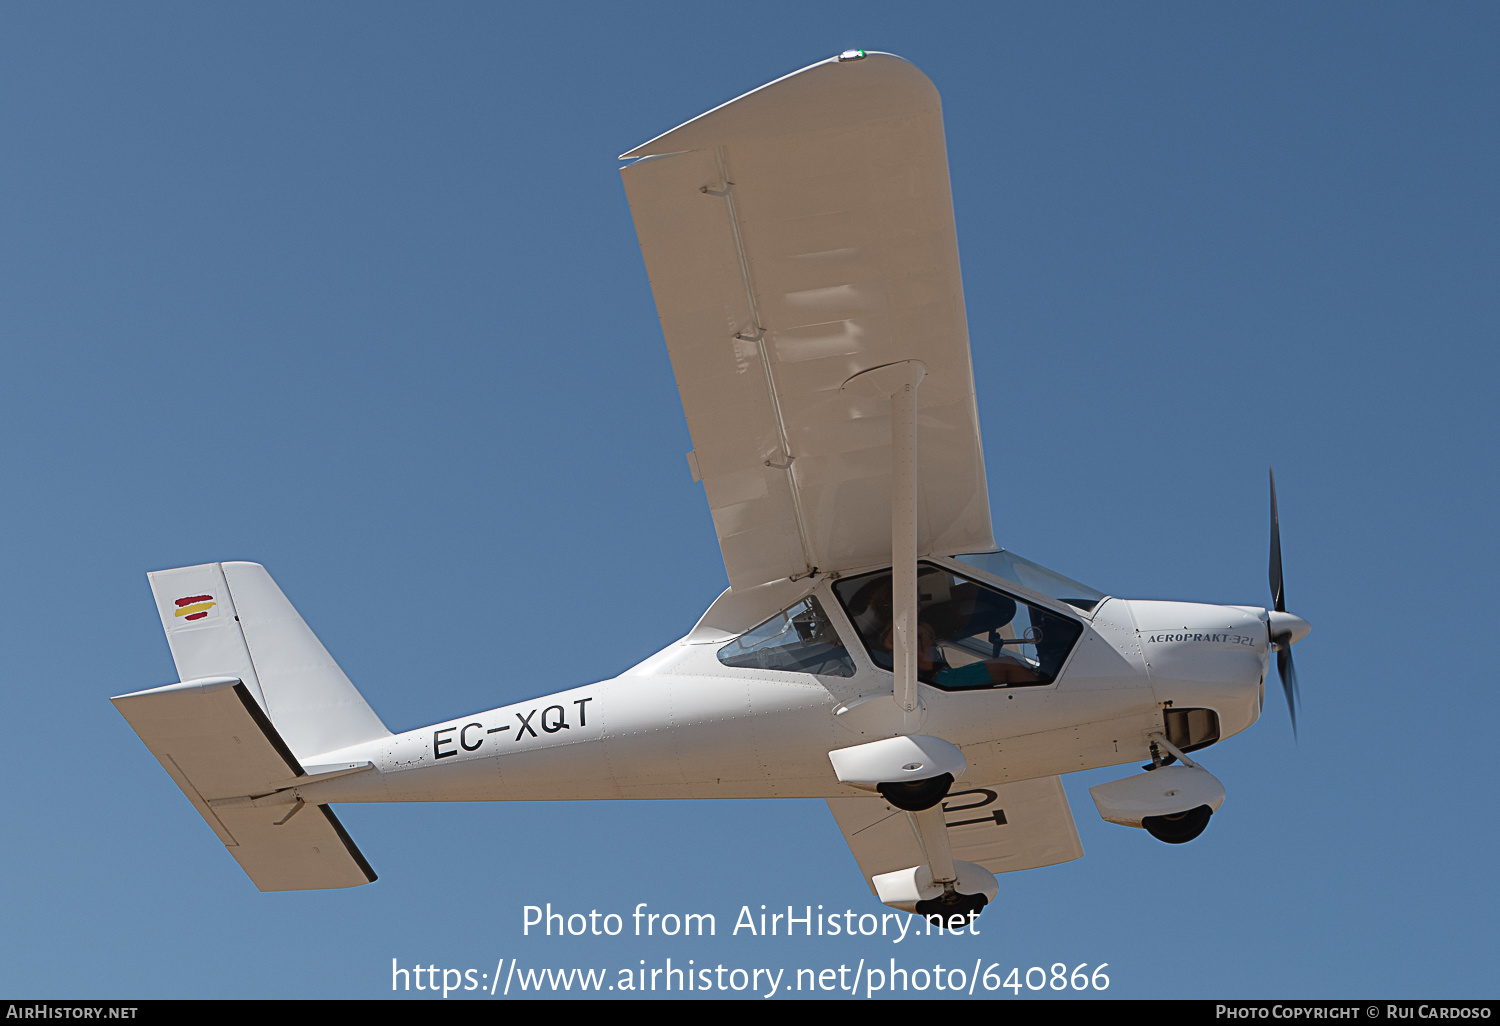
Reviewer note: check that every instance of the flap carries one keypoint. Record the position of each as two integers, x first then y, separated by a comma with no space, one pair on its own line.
1004,828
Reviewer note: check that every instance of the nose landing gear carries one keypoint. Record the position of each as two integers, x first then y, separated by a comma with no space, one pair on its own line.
1180,827
1171,803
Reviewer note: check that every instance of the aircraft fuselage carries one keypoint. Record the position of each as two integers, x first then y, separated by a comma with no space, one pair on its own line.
683,725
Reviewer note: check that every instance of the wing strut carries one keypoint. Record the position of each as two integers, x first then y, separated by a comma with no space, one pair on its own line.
898,382
943,885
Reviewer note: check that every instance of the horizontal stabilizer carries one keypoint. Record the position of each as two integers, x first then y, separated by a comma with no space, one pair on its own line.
213,740
1004,828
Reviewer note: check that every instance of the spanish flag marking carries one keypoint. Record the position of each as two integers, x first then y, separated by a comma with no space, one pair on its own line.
194,607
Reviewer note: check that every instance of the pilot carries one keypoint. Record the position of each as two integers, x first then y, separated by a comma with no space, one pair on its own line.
871,611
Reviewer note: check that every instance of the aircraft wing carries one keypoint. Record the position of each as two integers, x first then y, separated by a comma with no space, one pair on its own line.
1004,828
794,237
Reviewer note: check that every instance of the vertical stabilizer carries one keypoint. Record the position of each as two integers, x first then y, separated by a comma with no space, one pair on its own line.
231,620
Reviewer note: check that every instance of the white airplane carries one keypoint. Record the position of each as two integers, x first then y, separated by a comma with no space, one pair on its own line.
875,648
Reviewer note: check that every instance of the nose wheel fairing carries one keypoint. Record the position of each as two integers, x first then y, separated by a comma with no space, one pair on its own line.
1171,803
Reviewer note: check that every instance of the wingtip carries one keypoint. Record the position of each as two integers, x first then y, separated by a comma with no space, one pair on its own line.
868,60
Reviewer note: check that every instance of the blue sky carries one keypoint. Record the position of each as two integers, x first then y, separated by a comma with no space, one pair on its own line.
352,290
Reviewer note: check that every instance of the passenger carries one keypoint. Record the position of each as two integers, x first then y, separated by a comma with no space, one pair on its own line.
871,611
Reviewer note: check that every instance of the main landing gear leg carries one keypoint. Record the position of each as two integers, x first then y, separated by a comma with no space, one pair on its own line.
931,827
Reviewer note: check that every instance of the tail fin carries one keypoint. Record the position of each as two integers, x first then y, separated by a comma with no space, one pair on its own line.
230,620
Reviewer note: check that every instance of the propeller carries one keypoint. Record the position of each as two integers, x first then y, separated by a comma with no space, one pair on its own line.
1282,640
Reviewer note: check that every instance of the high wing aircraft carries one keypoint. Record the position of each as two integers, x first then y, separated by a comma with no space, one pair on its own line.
875,648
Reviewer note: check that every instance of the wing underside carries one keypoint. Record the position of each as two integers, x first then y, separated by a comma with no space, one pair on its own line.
794,237
1004,828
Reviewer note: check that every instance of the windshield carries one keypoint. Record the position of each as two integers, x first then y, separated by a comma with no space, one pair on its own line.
1011,567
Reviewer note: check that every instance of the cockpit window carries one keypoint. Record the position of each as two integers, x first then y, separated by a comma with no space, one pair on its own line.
796,640
1011,567
970,636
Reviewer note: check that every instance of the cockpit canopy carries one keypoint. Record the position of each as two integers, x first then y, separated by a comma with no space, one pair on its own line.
971,635
1011,567
799,639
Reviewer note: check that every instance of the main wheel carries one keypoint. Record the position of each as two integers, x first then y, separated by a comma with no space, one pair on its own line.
959,904
1180,827
918,794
